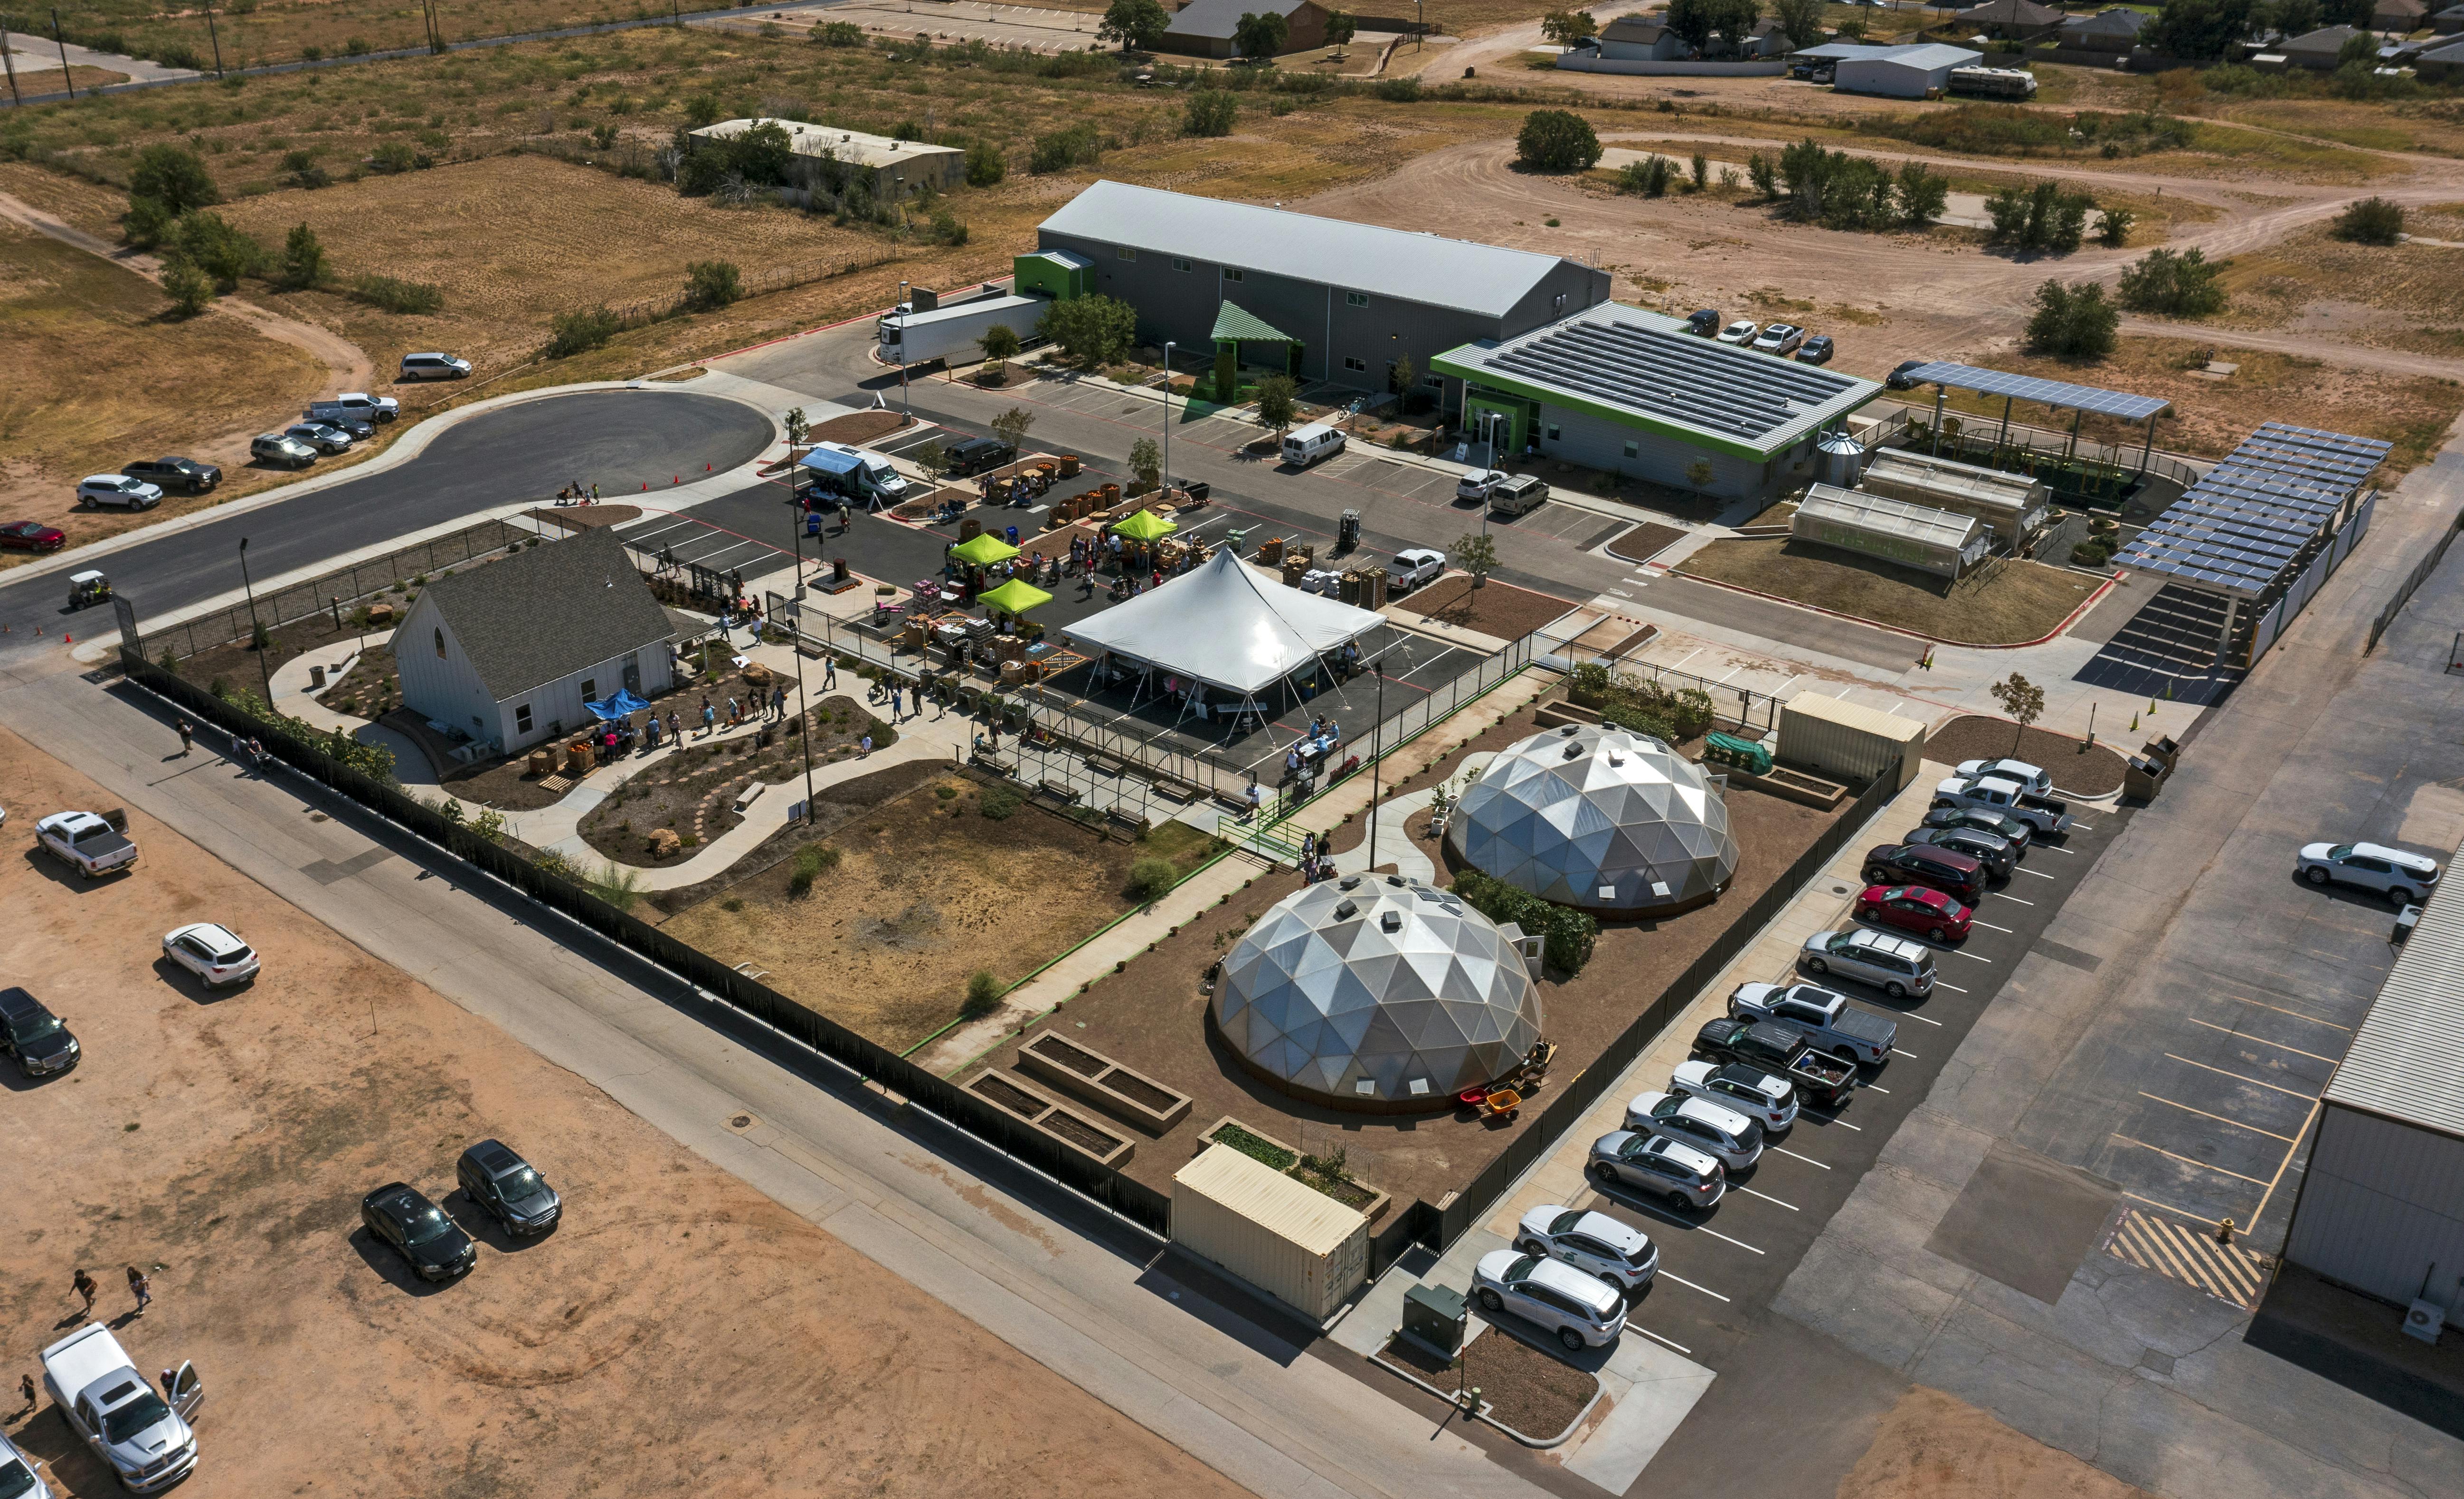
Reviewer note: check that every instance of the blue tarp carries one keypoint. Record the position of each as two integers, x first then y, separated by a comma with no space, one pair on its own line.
822,460
617,706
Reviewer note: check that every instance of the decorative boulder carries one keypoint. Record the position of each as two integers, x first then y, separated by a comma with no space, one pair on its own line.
665,844
756,675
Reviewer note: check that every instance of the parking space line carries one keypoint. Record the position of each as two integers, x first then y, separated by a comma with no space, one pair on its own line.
2237,1077
1991,927
1927,1019
1648,1333
2040,874
2050,849
2221,1120
1974,958
2295,1014
2262,1041
2190,1160
1768,1198
1807,1160
1953,988
1690,1285
1739,1242
1897,1052
2013,899
1872,1087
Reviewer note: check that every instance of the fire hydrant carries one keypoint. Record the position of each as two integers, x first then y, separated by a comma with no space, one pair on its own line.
2225,1232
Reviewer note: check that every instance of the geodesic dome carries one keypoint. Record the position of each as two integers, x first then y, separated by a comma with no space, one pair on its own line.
1597,818
1378,992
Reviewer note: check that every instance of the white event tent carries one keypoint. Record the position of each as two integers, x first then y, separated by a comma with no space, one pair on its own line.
1226,624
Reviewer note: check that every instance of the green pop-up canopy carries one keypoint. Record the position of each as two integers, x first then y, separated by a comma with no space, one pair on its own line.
983,550
1146,526
1013,597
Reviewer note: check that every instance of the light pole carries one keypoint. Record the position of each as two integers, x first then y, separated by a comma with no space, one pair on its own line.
215,38
904,409
1167,414
255,631
796,644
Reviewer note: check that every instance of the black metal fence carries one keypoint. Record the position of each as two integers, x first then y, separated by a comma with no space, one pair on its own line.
2420,574
1133,1200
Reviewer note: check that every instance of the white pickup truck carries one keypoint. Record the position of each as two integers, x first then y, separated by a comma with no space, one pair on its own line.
145,1437
356,404
85,843
2009,798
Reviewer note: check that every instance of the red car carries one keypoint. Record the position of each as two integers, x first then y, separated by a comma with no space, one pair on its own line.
27,536
1913,908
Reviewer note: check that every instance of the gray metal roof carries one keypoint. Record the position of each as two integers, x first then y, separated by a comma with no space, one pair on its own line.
2118,21
2044,392
1924,56
1597,818
2241,528
1643,366
1488,279
549,611
2407,1060
1220,18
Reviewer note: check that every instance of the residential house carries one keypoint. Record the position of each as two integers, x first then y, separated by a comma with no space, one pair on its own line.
1643,38
2012,20
2448,22
2318,49
507,653
891,168
2441,64
2112,30
1205,28
2398,16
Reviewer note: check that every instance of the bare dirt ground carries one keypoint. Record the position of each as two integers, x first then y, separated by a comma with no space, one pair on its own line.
2004,603
2078,767
1933,1446
678,1334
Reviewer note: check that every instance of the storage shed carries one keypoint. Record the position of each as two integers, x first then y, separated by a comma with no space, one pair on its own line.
1291,1242
1896,71
1834,737
2011,506
1901,531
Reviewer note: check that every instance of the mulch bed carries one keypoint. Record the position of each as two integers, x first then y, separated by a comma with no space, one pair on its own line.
1496,608
1529,1392
694,792
858,428
583,517
2078,767
369,688
1645,541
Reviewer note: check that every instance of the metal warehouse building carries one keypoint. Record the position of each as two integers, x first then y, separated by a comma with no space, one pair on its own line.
2382,1203
1632,392
1324,299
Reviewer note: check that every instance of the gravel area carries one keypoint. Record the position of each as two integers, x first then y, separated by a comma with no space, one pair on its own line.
2078,767
1529,1391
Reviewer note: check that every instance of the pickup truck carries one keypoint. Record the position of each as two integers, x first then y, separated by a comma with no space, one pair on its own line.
1821,1079
85,843
2009,798
355,404
1826,1019
145,1437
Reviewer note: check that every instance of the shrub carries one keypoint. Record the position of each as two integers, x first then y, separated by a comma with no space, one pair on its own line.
2184,285
1635,719
398,155
945,229
811,862
2073,321
174,177
998,802
300,170
712,284
187,287
986,162
1209,111
838,34
1079,145
1092,331
1556,141
983,995
303,257
395,295
1648,177
213,246
1151,879
1400,91
581,330
2372,221
2045,215
1568,935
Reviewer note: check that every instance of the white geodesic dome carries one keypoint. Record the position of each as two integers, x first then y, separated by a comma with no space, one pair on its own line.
1597,818
1378,992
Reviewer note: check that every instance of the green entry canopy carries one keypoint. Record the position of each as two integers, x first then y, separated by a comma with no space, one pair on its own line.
983,550
1013,597
1146,526
1237,325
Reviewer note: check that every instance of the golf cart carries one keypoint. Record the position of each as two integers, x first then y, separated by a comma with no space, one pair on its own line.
88,588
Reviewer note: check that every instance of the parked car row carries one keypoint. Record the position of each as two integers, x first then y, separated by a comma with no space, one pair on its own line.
436,1247
1780,339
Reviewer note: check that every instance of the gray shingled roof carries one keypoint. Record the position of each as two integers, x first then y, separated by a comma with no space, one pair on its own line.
1218,18
2116,22
549,611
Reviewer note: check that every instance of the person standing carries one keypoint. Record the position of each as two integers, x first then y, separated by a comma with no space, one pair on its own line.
140,1286
709,719
26,1388
187,738
86,1287
779,701
867,748
898,709
675,727
829,672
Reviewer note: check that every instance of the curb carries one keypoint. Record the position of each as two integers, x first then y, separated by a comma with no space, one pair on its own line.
2100,798
1481,1415
2068,621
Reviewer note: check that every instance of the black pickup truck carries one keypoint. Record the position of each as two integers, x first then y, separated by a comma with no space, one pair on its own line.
1822,1080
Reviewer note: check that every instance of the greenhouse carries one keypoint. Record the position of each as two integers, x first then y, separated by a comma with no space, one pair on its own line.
1600,818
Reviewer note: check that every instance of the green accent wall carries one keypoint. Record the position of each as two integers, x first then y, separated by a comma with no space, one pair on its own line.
1041,276
1475,374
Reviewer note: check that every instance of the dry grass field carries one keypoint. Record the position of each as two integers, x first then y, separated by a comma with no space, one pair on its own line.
2004,603
2409,295
1932,1445
279,31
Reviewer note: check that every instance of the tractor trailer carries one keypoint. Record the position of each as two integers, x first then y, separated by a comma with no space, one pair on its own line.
955,333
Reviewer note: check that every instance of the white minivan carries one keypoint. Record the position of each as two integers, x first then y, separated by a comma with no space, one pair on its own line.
1304,445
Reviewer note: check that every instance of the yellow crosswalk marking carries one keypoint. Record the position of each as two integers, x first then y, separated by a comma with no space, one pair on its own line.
2228,1272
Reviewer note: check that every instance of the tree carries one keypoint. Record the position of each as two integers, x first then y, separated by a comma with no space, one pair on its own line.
2073,321
300,171
702,109
1091,330
1011,427
1565,28
1138,25
1696,21
1702,171
2023,701
932,459
712,284
1209,111
188,288
2371,221
985,163
1146,463
2184,285
210,244
1921,195
1700,472
1279,403
1341,26
1556,141
1000,344
304,258
145,222
174,177
1765,177
1476,555
2198,31
2293,17
1801,19
2361,47
798,425
1260,37
2113,227
2043,215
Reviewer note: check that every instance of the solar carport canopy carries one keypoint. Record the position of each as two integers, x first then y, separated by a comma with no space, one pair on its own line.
1682,376
2044,392
2240,529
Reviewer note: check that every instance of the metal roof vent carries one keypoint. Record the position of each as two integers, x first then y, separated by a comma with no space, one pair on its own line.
1347,882
1347,911
1396,880
1566,732
1573,752
1390,920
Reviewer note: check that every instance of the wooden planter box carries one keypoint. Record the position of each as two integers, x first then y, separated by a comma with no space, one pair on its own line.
1378,1202
1102,1081
1013,1095
1794,786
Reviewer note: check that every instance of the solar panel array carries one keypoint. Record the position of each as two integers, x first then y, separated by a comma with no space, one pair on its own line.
2241,528
1681,376
2044,392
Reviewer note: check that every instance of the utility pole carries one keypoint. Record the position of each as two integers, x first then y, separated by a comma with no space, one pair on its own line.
255,637
1167,414
68,79
8,60
214,37
796,644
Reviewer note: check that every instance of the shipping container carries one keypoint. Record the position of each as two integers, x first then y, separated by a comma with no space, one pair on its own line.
1900,531
1844,742
1287,1239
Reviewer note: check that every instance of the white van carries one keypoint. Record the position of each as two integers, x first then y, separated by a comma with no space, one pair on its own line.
1304,445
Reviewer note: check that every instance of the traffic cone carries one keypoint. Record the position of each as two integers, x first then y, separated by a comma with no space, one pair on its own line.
2134,723
69,639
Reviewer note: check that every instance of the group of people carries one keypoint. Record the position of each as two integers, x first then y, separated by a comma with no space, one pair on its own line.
1317,858
578,493
757,708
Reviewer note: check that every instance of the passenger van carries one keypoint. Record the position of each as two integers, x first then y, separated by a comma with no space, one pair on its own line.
1304,445
1518,496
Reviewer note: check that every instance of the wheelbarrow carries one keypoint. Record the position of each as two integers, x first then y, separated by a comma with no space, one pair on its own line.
1492,1103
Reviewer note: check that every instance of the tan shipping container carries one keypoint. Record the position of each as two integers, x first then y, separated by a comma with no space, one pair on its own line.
1844,742
1287,1239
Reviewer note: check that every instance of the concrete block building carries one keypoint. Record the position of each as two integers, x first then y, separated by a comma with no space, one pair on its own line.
1326,299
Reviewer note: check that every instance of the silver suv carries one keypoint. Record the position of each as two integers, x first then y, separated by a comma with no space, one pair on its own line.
1592,1242
1899,966
1655,1164
2405,878
1583,1311
1719,1132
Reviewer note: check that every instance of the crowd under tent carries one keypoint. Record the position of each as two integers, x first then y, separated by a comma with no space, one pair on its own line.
1225,627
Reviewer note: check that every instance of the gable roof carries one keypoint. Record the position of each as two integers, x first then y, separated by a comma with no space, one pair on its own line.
1634,27
1915,55
2327,38
2451,51
2010,13
2116,22
1488,279
1221,18
549,611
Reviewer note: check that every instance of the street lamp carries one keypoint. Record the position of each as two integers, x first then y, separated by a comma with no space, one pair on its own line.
255,631
796,644
1167,414
904,409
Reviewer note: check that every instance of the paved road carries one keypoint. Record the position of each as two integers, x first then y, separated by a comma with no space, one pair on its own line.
617,439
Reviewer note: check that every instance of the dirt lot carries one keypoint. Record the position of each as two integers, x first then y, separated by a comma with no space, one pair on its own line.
1645,541
2078,768
928,889
1493,608
1932,1445
2389,297
679,1333
2003,603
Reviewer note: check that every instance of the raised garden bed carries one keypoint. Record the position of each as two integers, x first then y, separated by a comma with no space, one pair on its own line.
697,792
1047,1113
1795,786
1101,1081
1300,1167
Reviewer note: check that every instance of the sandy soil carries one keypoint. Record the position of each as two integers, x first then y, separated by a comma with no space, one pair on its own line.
2078,768
1933,1446
2003,603
679,1334
1493,608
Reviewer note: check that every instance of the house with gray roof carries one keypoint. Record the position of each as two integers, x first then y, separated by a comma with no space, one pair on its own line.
507,653
2318,49
2448,22
2441,64
2115,29
1205,28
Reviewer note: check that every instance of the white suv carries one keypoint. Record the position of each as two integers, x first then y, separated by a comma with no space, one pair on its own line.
117,489
1741,332
1583,1311
1592,1242
2405,878
1477,484
2033,779
1897,965
212,953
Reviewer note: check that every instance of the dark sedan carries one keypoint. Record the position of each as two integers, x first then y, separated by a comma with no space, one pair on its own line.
1898,379
1990,850
32,536
2010,830
506,1185
184,475
1915,864
435,1245
1816,350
